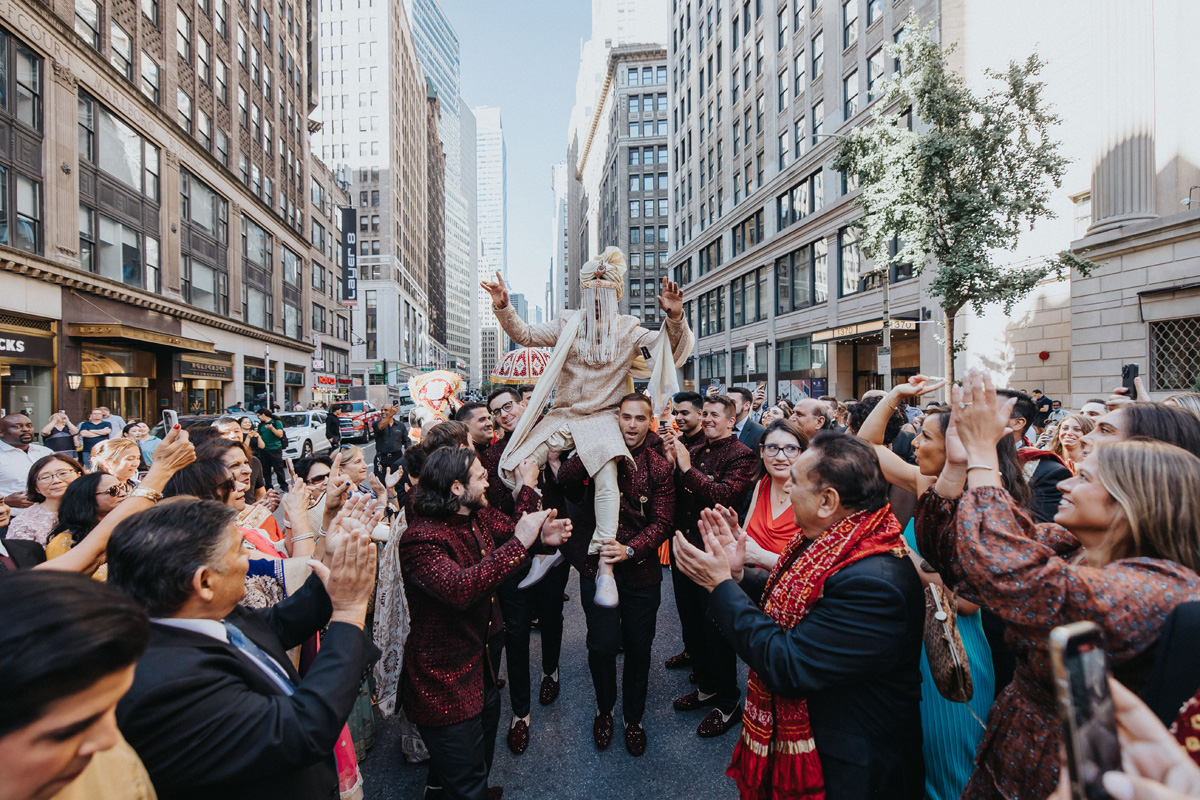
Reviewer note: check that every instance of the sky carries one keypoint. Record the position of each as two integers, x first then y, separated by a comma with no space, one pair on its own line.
525,64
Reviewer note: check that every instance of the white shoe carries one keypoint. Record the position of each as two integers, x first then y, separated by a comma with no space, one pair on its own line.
541,566
606,591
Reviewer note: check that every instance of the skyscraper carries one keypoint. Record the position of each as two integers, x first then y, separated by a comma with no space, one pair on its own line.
556,296
492,192
438,52
374,119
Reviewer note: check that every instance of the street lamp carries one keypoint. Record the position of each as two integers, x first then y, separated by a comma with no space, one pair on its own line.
74,381
177,386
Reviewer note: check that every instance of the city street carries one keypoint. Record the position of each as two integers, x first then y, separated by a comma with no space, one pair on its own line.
562,761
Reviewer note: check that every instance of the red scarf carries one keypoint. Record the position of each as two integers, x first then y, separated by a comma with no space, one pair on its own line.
776,756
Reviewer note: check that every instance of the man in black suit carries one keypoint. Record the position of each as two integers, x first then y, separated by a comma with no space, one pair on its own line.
745,429
17,554
216,708
854,655
1043,470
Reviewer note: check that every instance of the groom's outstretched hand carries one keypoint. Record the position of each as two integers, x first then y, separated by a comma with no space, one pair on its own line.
500,294
670,301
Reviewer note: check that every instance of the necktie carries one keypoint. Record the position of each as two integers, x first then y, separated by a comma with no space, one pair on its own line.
242,642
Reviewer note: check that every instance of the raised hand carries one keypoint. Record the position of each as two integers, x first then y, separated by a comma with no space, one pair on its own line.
296,501
500,294
716,522
530,525
683,459
982,419
670,301
556,532
1120,395
392,477
175,452
336,485
956,454
916,386
376,485
669,445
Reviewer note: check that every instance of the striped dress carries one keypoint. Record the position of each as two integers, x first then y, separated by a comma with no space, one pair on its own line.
951,734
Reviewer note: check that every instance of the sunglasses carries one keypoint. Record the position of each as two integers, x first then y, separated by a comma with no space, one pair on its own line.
116,490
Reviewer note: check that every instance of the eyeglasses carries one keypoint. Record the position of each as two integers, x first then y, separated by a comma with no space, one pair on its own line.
790,451
116,490
62,475
504,409
317,480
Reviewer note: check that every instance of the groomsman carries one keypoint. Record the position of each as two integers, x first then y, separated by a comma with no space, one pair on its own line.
647,514
718,472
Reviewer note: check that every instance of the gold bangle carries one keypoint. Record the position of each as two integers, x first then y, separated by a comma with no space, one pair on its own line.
145,491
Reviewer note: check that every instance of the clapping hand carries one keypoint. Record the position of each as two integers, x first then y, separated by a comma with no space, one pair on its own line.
555,531
669,440
722,524
530,525
348,571
336,485
392,477
708,567
376,485
271,501
683,459
296,501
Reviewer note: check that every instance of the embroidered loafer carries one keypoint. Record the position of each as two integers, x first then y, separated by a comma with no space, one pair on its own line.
635,739
518,736
692,701
602,730
716,723
549,692
679,661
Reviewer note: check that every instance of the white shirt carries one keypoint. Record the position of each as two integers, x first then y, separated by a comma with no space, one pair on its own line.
14,467
215,628
118,425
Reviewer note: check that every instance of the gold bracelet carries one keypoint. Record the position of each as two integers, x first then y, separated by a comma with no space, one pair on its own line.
145,491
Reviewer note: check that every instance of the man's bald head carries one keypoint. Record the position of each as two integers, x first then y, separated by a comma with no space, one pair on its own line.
811,415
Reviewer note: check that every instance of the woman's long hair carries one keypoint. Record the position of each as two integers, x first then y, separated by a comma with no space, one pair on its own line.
207,479
32,493
1086,424
78,511
1158,487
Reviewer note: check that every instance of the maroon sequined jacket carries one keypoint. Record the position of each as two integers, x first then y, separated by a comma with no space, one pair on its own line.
647,514
452,565
722,473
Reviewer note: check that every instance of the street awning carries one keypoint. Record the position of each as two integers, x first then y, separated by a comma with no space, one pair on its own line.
140,335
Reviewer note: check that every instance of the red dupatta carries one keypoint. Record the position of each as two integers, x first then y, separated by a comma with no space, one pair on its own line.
776,756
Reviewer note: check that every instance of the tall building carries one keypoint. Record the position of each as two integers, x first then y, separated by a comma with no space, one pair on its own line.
633,187
521,306
374,131
155,189
492,191
438,52
330,319
466,123
556,291
435,186
614,25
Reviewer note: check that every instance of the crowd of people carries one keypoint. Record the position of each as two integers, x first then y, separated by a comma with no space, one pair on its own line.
189,616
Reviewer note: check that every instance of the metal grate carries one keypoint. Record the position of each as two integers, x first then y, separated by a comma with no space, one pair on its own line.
22,322
1175,355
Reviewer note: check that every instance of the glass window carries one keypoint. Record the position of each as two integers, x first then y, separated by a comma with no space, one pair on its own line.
255,307
256,244
635,183
203,286
818,54
874,73
87,21
122,50
150,84
150,9
818,120
116,148
291,321
849,260
874,11
203,60
183,36
850,94
119,255
203,207
820,271
633,76
292,266
183,110
635,208
635,156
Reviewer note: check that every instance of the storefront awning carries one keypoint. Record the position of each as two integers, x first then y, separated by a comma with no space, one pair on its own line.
132,334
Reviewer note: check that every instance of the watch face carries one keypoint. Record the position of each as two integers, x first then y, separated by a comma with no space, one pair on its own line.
629,551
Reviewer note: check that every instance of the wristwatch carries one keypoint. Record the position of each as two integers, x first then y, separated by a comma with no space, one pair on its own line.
628,551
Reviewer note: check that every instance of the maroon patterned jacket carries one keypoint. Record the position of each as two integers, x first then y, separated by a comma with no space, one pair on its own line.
647,514
722,473
452,565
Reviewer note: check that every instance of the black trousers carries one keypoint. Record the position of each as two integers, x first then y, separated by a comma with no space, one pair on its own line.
544,602
633,621
713,660
272,461
386,461
460,755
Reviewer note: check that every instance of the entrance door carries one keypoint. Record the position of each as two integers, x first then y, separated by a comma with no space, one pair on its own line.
126,402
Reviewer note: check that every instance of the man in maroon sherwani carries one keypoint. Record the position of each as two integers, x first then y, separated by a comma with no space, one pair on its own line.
454,554
647,514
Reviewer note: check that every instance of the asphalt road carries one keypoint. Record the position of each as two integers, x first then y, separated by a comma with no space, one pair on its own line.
562,761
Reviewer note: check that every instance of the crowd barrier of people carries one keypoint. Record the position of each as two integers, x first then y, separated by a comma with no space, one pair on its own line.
188,616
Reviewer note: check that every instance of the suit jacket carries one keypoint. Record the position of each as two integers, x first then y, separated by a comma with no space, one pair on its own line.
1043,483
1175,675
452,565
856,658
208,722
646,520
27,554
751,433
722,473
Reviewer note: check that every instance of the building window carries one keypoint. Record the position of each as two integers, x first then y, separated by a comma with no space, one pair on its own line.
748,233
21,194
818,54
256,308
874,11
318,316
204,60
219,21
874,73
150,10
781,89
222,85
222,147
712,312
122,50
798,77
257,245
818,120
292,268
1175,355
116,251
292,325
204,286
782,29
150,84
800,140
1082,214
116,148
749,298
849,23
183,36
850,261
785,147
850,94
203,207
183,110
710,257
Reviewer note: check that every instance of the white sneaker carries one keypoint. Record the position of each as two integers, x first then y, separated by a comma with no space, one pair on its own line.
606,591
541,566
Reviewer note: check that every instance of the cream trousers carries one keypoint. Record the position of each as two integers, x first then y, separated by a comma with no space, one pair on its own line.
608,493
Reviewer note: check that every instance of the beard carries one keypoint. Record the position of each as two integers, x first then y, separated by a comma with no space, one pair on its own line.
597,340
474,501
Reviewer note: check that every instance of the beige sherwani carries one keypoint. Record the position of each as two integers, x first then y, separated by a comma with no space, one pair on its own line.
588,396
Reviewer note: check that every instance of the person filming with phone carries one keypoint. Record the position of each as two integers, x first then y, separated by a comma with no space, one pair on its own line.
391,437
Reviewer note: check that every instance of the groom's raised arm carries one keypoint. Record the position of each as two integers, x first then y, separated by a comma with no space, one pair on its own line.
524,334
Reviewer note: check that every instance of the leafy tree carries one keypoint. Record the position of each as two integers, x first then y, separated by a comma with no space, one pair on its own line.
964,187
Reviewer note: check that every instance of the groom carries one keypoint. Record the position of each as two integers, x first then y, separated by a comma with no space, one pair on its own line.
595,348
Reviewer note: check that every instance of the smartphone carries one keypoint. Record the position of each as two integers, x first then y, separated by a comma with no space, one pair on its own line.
170,420
1129,372
291,467
1085,707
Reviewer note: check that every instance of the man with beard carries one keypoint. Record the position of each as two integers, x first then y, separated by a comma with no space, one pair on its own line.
454,555
595,349
524,597
647,513
17,454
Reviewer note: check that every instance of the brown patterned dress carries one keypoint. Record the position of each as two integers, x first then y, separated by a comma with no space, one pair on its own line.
993,554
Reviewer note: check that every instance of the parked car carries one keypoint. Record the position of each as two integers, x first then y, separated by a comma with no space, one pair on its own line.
305,432
361,416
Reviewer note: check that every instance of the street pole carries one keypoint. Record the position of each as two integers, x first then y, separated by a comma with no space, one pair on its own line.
267,377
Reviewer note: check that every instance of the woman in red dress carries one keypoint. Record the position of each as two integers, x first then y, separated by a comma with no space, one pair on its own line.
770,524
1123,552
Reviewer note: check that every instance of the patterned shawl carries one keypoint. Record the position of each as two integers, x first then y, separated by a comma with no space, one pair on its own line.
776,756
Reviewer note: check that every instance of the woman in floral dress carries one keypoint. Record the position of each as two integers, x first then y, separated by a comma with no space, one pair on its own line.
1123,552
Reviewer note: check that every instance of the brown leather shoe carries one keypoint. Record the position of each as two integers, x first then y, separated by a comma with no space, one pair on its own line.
716,724
518,736
679,661
635,739
549,692
602,730
691,701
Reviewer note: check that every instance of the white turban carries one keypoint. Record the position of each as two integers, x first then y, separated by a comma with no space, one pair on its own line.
605,272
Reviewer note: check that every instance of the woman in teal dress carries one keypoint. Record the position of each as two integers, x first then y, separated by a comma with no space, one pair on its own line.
951,731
